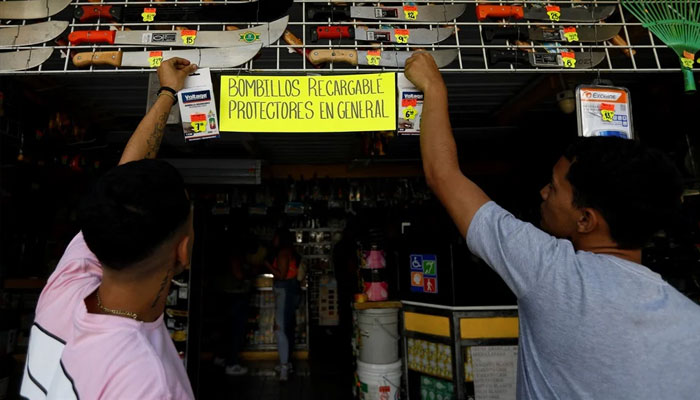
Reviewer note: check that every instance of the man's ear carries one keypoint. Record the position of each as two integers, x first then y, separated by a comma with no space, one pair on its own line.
182,255
588,220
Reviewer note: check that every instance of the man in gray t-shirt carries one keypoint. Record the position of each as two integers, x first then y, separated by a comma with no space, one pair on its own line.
594,322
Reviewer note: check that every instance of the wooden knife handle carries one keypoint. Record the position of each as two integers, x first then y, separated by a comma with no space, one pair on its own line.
88,13
329,55
619,41
80,37
113,58
484,12
292,40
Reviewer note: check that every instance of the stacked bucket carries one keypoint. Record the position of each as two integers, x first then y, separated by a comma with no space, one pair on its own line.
378,364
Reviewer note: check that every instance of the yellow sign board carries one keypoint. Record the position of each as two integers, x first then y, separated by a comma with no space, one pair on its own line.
332,103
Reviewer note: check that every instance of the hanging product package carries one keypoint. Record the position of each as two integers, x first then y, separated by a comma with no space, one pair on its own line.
198,108
604,111
409,106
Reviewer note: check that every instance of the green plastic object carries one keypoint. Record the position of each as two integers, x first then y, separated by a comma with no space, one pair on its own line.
676,23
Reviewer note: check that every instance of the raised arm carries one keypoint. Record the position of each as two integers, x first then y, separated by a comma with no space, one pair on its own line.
461,197
145,141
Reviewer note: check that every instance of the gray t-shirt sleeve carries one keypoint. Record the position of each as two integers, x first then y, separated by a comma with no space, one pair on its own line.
520,253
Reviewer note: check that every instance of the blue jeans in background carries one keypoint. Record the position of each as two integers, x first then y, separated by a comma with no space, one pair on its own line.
287,297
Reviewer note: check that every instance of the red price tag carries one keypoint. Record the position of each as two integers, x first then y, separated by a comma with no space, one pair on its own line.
188,36
688,59
401,35
373,57
155,58
409,102
570,34
198,122
554,12
607,111
410,12
568,58
148,14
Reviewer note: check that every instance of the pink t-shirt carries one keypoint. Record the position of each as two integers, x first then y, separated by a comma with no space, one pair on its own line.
75,354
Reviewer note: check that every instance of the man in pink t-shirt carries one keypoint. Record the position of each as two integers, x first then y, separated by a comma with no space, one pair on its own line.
99,331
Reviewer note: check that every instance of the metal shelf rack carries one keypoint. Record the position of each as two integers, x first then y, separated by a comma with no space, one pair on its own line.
649,54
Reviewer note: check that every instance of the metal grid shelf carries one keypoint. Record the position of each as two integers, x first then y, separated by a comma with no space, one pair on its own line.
648,53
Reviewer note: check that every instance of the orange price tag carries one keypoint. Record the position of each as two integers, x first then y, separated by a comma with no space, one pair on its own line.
155,58
373,57
198,122
688,59
188,36
570,34
568,58
148,14
554,12
401,35
410,12
607,111
409,102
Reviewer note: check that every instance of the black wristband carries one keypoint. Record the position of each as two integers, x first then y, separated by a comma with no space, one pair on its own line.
168,89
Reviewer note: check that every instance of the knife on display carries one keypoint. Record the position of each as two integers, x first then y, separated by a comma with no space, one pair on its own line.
377,58
264,34
259,11
24,59
559,34
221,57
549,13
27,35
581,60
430,13
390,35
31,9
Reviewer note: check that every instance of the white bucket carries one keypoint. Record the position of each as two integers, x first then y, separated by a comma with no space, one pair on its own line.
379,335
379,381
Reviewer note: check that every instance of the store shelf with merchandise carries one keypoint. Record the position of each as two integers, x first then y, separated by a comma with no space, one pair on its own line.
631,48
440,343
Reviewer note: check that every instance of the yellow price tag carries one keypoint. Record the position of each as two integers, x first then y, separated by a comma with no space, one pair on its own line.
155,58
198,122
188,36
688,59
198,126
687,62
373,57
554,12
401,35
607,111
570,34
410,12
568,59
607,115
409,112
148,14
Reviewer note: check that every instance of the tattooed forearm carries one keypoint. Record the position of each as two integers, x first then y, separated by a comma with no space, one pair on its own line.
163,284
156,137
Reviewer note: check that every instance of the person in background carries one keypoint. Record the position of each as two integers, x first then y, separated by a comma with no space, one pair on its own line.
284,267
234,285
98,331
594,322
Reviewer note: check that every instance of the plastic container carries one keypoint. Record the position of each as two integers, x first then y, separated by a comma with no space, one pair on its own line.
379,381
379,335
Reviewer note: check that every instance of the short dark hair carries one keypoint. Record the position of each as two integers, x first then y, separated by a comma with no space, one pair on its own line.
635,188
132,210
